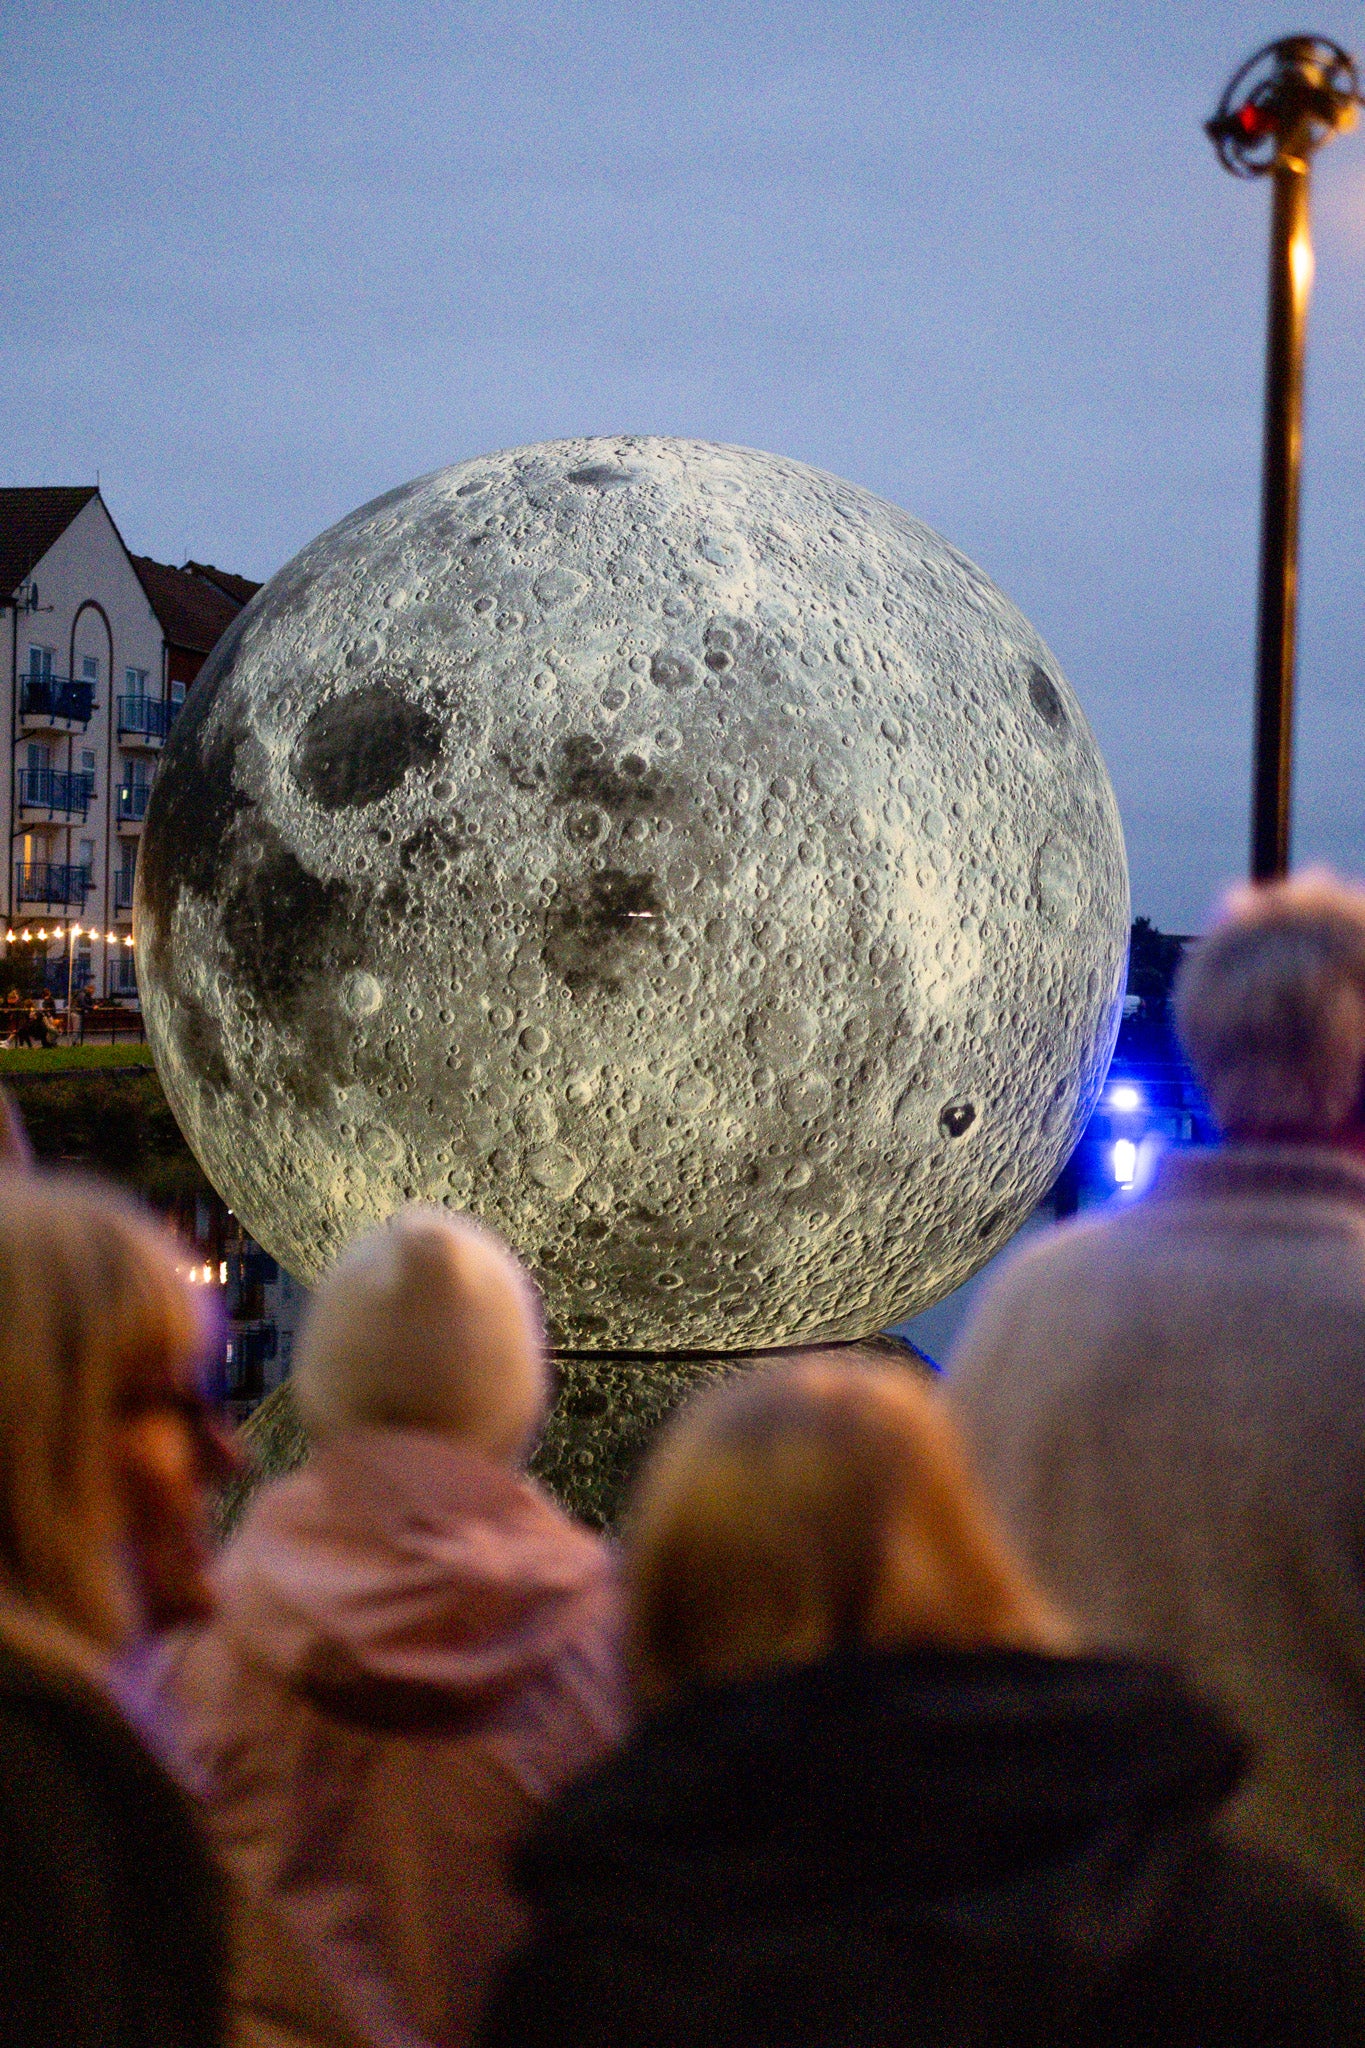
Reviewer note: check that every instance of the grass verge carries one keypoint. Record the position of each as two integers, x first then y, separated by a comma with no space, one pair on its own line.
70,1059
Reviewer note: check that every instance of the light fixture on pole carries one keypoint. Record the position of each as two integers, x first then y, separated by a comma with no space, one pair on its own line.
1283,104
73,932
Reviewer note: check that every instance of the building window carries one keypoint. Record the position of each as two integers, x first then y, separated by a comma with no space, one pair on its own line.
88,853
90,668
125,971
135,681
40,663
88,764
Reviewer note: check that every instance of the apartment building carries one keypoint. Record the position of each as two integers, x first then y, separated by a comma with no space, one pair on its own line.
97,649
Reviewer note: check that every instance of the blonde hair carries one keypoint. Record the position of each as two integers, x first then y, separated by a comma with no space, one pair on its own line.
1270,1007
91,1307
808,1505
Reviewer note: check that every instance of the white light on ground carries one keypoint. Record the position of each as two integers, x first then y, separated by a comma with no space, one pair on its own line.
1125,1162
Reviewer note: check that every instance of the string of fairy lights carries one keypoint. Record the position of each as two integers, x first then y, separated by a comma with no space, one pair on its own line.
45,934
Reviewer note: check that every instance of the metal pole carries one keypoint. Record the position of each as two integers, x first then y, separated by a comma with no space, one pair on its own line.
1291,277
1284,103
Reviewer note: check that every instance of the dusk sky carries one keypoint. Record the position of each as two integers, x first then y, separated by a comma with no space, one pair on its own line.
263,262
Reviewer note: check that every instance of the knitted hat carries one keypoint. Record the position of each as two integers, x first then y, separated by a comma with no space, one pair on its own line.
427,1323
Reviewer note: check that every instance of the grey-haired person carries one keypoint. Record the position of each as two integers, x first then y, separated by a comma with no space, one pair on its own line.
1167,1399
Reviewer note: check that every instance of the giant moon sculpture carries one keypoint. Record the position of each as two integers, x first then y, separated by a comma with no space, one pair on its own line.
681,859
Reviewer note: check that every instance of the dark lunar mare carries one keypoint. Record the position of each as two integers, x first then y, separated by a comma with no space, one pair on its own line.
357,748
194,803
289,934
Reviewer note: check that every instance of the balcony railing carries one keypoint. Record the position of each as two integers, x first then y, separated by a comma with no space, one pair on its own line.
143,718
51,882
57,698
123,889
54,790
131,798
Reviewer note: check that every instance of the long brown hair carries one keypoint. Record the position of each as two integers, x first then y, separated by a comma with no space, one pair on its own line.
813,1504
91,1305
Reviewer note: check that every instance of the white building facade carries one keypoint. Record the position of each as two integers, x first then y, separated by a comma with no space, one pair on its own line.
97,649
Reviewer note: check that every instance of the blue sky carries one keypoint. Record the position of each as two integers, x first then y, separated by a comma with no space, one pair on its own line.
262,262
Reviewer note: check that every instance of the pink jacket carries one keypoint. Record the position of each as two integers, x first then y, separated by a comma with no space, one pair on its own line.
415,1650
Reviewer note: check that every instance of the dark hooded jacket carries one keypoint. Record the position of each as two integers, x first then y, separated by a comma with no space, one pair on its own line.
925,1847
111,1914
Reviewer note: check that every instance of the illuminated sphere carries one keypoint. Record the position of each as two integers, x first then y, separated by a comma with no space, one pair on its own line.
682,860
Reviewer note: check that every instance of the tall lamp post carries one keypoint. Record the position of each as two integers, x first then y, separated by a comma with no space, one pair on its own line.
1283,104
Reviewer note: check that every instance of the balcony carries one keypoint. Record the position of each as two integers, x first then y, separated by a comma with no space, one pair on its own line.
143,721
56,792
51,882
123,889
130,802
55,701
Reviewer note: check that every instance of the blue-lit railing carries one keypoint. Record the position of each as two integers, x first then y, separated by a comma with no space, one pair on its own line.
55,789
258,1265
51,882
56,697
142,717
245,1354
131,798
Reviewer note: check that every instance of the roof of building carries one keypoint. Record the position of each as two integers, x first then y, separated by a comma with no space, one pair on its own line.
194,605
194,612
32,516
239,588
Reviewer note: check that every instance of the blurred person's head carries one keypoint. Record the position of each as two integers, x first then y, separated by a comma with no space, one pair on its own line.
1270,1007
814,1505
16,1152
427,1323
108,1449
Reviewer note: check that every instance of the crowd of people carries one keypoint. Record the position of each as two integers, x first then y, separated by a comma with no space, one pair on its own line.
1027,1706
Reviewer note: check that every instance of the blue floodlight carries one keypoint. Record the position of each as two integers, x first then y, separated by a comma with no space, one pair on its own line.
1125,1162
1123,1095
